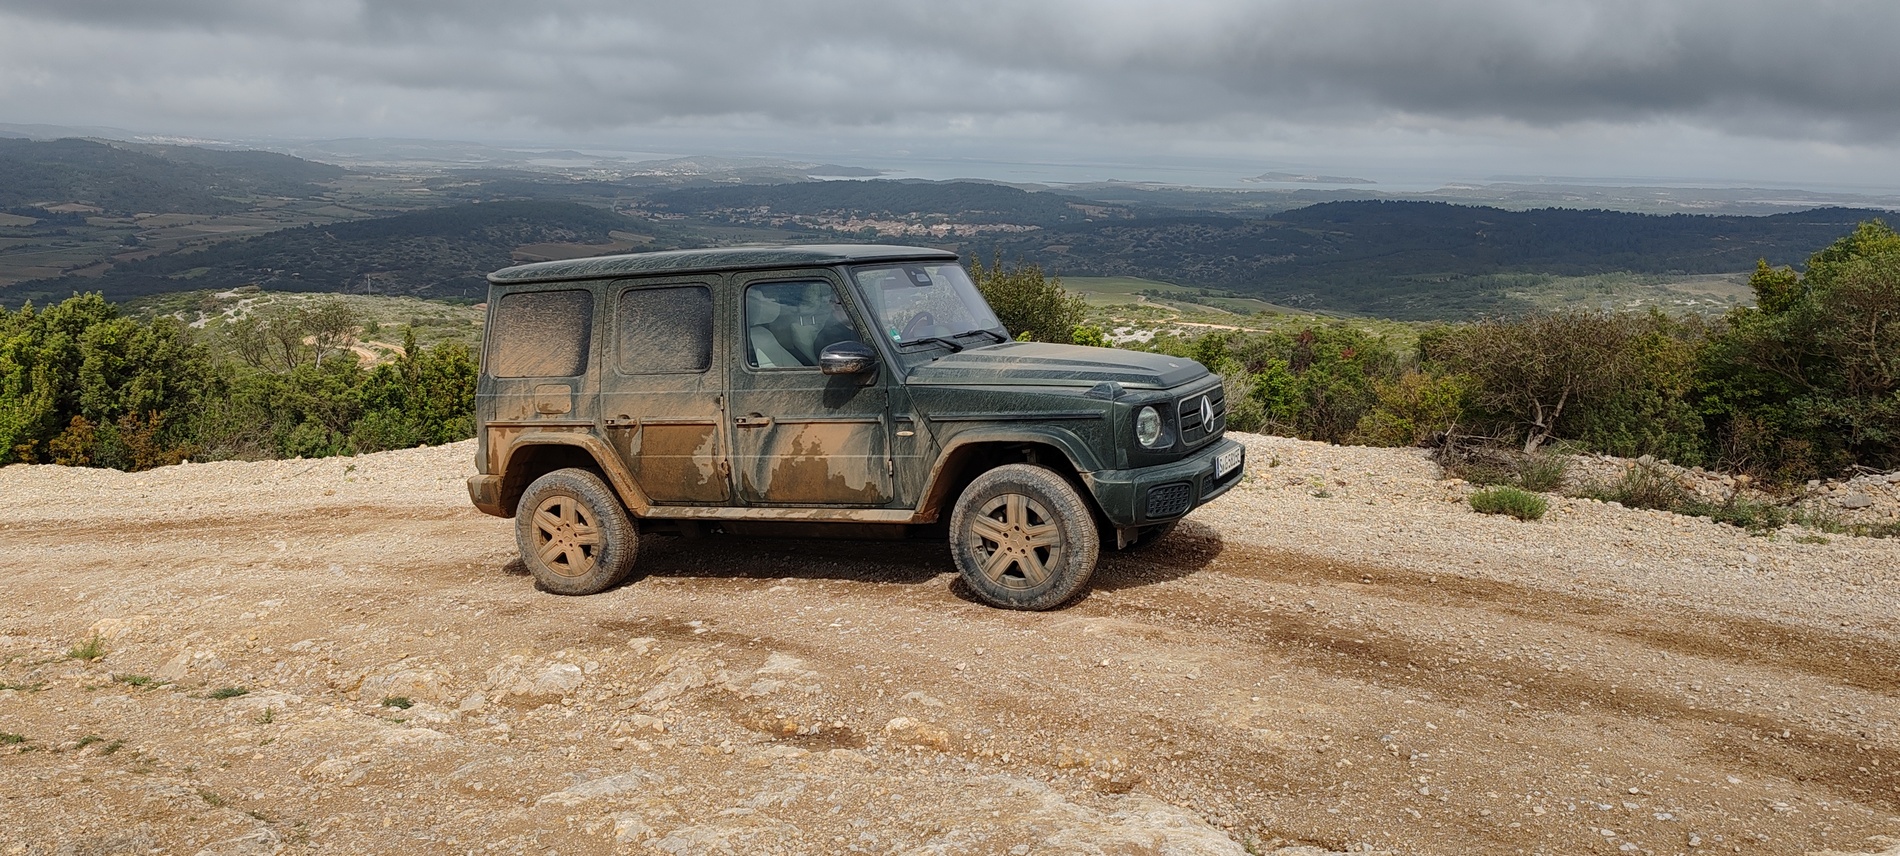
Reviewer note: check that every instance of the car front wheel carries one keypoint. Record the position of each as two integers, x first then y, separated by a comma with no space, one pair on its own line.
1023,538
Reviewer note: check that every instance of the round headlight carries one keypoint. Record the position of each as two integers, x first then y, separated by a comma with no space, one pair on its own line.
1148,426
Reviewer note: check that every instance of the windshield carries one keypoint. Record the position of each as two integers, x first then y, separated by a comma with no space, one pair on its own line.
924,301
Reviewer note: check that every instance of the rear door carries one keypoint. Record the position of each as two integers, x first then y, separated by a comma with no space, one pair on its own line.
535,364
662,393
801,437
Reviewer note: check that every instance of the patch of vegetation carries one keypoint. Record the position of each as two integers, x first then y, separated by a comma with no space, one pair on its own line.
1757,516
8,738
227,692
211,798
1538,472
1642,486
25,688
398,702
138,680
156,393
94,648
88,740
112,747
1504,499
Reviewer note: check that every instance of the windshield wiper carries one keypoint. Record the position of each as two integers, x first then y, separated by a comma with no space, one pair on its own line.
935,340
1000,338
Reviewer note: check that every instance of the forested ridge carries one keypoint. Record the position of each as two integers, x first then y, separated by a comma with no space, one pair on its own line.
122,179
1417,260
437,252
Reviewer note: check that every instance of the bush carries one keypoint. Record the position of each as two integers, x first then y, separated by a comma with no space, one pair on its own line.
1753,515
1413,409
1504,499
82,386
1807,383
1483,465
1027,302
1642,486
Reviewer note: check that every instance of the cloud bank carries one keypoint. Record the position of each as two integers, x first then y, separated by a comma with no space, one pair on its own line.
1819,79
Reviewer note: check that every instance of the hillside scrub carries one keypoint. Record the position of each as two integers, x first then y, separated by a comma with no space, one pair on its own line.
1805,385
83,385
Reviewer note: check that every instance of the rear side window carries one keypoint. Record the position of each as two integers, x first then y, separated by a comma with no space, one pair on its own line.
664,330
541,334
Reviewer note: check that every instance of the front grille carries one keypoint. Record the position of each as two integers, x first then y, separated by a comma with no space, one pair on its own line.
1194,428
1169,500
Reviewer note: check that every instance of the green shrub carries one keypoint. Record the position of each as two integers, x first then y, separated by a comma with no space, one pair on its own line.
1542,471
1504,499
1756,516
94,648
1642,486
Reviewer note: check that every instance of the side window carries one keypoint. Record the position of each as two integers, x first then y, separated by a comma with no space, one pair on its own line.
664,329
788,324
541,334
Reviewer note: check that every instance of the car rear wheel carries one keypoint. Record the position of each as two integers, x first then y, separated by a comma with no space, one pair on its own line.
575,536
1023,538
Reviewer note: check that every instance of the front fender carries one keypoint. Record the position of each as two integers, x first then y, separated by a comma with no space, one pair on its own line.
964,446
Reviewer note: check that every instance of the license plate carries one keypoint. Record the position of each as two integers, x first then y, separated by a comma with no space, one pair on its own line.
1228,461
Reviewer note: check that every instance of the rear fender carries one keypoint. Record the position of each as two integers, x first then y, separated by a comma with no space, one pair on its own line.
532,455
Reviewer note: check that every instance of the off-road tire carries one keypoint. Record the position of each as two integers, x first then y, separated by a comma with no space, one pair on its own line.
1023,538
574,534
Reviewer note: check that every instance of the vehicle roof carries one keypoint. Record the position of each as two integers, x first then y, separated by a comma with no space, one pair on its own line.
719,258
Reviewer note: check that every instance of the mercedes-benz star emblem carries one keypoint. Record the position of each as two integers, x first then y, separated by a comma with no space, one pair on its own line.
1207,414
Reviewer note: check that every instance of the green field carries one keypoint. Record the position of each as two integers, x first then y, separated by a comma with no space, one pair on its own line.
380,319
1706,294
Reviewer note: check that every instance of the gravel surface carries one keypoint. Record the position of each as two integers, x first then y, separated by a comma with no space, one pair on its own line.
341,656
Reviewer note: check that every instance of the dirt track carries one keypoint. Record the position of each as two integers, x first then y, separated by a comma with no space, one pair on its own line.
1366,666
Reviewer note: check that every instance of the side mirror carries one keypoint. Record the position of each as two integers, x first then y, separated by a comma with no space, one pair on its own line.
847,358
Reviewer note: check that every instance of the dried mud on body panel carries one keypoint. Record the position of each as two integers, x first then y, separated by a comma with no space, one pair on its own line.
674,460
823,461
662,394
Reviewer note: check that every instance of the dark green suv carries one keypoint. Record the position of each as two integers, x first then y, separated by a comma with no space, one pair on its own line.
854,391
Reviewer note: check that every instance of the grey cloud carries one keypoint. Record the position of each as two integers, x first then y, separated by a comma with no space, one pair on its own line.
1750,68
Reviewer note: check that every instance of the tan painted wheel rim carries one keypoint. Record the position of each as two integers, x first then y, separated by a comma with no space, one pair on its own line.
566,537
1017,542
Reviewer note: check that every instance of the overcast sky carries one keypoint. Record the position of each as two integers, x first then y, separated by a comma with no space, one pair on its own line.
1717,90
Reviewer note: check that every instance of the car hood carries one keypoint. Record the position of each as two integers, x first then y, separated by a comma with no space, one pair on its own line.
1042,364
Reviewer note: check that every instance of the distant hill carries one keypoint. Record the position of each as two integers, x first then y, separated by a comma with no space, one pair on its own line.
128,178
439,252
958,201
1418,259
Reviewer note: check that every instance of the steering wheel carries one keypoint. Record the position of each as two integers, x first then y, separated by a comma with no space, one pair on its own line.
917,324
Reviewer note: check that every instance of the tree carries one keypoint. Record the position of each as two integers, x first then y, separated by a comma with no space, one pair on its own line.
1028,302
331,326
1807,382
1531,371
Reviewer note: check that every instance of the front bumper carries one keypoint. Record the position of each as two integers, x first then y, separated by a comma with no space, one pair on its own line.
1158,494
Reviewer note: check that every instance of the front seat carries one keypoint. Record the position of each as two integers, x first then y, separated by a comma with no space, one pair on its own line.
767,353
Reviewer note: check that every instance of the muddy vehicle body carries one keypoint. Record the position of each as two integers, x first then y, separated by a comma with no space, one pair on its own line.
853,391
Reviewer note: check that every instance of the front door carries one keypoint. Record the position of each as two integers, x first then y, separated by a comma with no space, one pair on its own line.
662,390
802,437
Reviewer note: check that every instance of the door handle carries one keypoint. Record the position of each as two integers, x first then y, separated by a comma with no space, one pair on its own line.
753,421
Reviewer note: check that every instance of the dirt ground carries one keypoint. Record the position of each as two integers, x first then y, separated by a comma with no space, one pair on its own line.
341,656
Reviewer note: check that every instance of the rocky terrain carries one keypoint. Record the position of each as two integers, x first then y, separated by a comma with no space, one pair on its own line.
341,656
